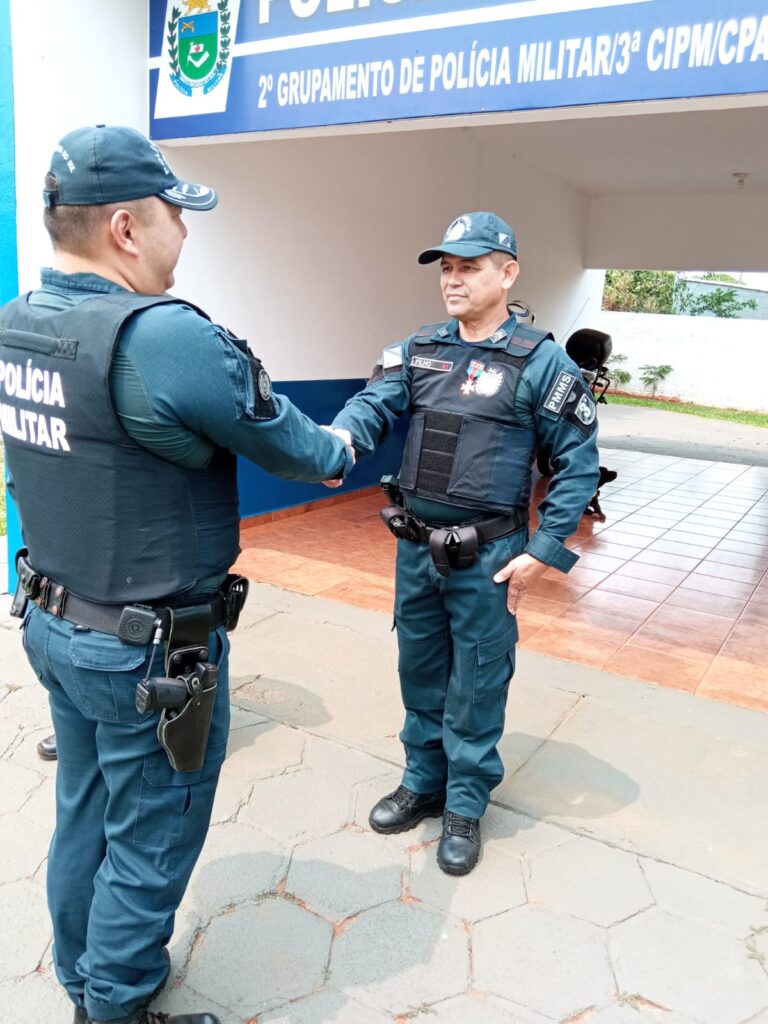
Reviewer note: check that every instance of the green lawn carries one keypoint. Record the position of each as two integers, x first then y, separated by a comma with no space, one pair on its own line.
710,412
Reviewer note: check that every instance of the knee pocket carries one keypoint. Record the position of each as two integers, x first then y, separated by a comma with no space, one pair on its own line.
175,807
424,667
486,667
494,665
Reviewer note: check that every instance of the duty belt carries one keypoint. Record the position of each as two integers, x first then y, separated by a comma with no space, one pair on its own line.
134,623
454,545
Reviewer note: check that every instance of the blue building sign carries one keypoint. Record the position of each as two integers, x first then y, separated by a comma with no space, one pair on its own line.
230,66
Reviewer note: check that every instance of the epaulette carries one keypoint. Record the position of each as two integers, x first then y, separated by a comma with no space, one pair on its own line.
524,340
429,330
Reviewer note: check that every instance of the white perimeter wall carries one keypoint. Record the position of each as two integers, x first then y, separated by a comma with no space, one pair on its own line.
716,361
311,253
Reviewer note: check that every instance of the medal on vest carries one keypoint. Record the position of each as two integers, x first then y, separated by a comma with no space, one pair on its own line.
474,371
481,380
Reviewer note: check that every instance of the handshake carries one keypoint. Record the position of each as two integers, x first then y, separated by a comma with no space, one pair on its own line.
346,437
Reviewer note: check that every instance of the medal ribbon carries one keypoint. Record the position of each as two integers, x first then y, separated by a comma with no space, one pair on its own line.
476,368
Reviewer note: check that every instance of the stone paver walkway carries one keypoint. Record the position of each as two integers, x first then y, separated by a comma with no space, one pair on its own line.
623,878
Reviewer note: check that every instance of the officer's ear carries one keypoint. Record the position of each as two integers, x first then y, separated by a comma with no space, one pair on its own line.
510,269
122,227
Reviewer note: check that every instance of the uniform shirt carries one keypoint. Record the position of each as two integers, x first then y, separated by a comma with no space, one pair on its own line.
180,387
369,415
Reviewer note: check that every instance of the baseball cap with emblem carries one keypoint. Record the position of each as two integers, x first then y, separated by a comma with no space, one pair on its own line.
474,234
109,164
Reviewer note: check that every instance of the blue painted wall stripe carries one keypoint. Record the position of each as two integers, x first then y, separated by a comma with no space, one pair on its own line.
321,400
9,278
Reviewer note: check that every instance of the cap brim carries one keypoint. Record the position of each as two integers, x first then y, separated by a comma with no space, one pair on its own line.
191,197
466,249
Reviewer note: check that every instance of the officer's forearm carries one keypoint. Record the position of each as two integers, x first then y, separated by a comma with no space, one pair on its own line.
370,415
292,446
569,491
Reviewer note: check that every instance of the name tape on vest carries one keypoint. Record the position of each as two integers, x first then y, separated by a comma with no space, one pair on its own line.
424,363
30,383
559,392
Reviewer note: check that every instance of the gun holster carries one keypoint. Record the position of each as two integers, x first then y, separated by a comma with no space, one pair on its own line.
453,548
183,733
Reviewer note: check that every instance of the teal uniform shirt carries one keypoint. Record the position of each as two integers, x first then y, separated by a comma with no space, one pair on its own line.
183,386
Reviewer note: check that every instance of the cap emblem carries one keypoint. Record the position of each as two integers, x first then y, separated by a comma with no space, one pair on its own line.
458,229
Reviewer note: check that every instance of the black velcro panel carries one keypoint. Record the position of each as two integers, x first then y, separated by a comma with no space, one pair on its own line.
438,450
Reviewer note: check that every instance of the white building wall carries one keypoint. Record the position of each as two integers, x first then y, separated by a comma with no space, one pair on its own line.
73,65
697,231
311,253
312,250
715,361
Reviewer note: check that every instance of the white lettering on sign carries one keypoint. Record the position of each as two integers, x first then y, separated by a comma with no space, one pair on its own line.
307,8
705,45
31,384
342,82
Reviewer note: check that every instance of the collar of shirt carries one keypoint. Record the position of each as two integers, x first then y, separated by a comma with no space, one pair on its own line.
449,333
57,281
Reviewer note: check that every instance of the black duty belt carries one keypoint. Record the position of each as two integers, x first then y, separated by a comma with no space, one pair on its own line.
452,546
134,623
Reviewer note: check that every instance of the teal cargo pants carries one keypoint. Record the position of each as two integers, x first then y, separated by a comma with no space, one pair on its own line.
456,657
129,829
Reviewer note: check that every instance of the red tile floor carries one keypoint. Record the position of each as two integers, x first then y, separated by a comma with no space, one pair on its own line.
672,588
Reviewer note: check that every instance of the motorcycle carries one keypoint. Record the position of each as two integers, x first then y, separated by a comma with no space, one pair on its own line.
590,350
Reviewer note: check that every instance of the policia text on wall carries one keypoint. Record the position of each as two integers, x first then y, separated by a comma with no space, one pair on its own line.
27,382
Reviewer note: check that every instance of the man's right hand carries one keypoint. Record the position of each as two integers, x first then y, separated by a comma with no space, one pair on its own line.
346,437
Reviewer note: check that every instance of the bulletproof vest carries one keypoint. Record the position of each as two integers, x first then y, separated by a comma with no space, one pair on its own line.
464,446
100,514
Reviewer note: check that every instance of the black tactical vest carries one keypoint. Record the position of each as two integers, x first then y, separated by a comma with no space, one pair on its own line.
100,514
464,446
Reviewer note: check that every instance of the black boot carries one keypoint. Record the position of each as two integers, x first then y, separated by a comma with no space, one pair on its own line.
148,1017
404,809
459,847
46,749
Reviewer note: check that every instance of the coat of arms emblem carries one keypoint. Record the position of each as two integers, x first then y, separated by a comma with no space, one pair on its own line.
199,44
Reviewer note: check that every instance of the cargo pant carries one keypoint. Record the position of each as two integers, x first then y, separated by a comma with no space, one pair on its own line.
129,829
456,658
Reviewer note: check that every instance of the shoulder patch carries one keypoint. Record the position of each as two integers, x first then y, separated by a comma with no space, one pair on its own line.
430,330
525,340
582,411
392,356
559,392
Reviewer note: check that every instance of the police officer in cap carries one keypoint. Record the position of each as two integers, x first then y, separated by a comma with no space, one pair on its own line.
482,391
123,409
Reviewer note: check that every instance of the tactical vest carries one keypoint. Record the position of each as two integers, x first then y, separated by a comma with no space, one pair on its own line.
464,446
100,514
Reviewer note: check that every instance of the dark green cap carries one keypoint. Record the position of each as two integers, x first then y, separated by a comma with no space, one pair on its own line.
474,234
109,164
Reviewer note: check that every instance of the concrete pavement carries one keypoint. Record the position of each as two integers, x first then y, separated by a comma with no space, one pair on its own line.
640,429
623,879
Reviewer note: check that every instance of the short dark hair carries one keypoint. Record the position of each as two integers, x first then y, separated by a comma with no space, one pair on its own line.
501,259
74,229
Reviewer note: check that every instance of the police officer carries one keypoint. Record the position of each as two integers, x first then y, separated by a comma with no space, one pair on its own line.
482,391
122,410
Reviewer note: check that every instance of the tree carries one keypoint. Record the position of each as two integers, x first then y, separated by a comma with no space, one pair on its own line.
652,376
662,291
639,291
723,302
